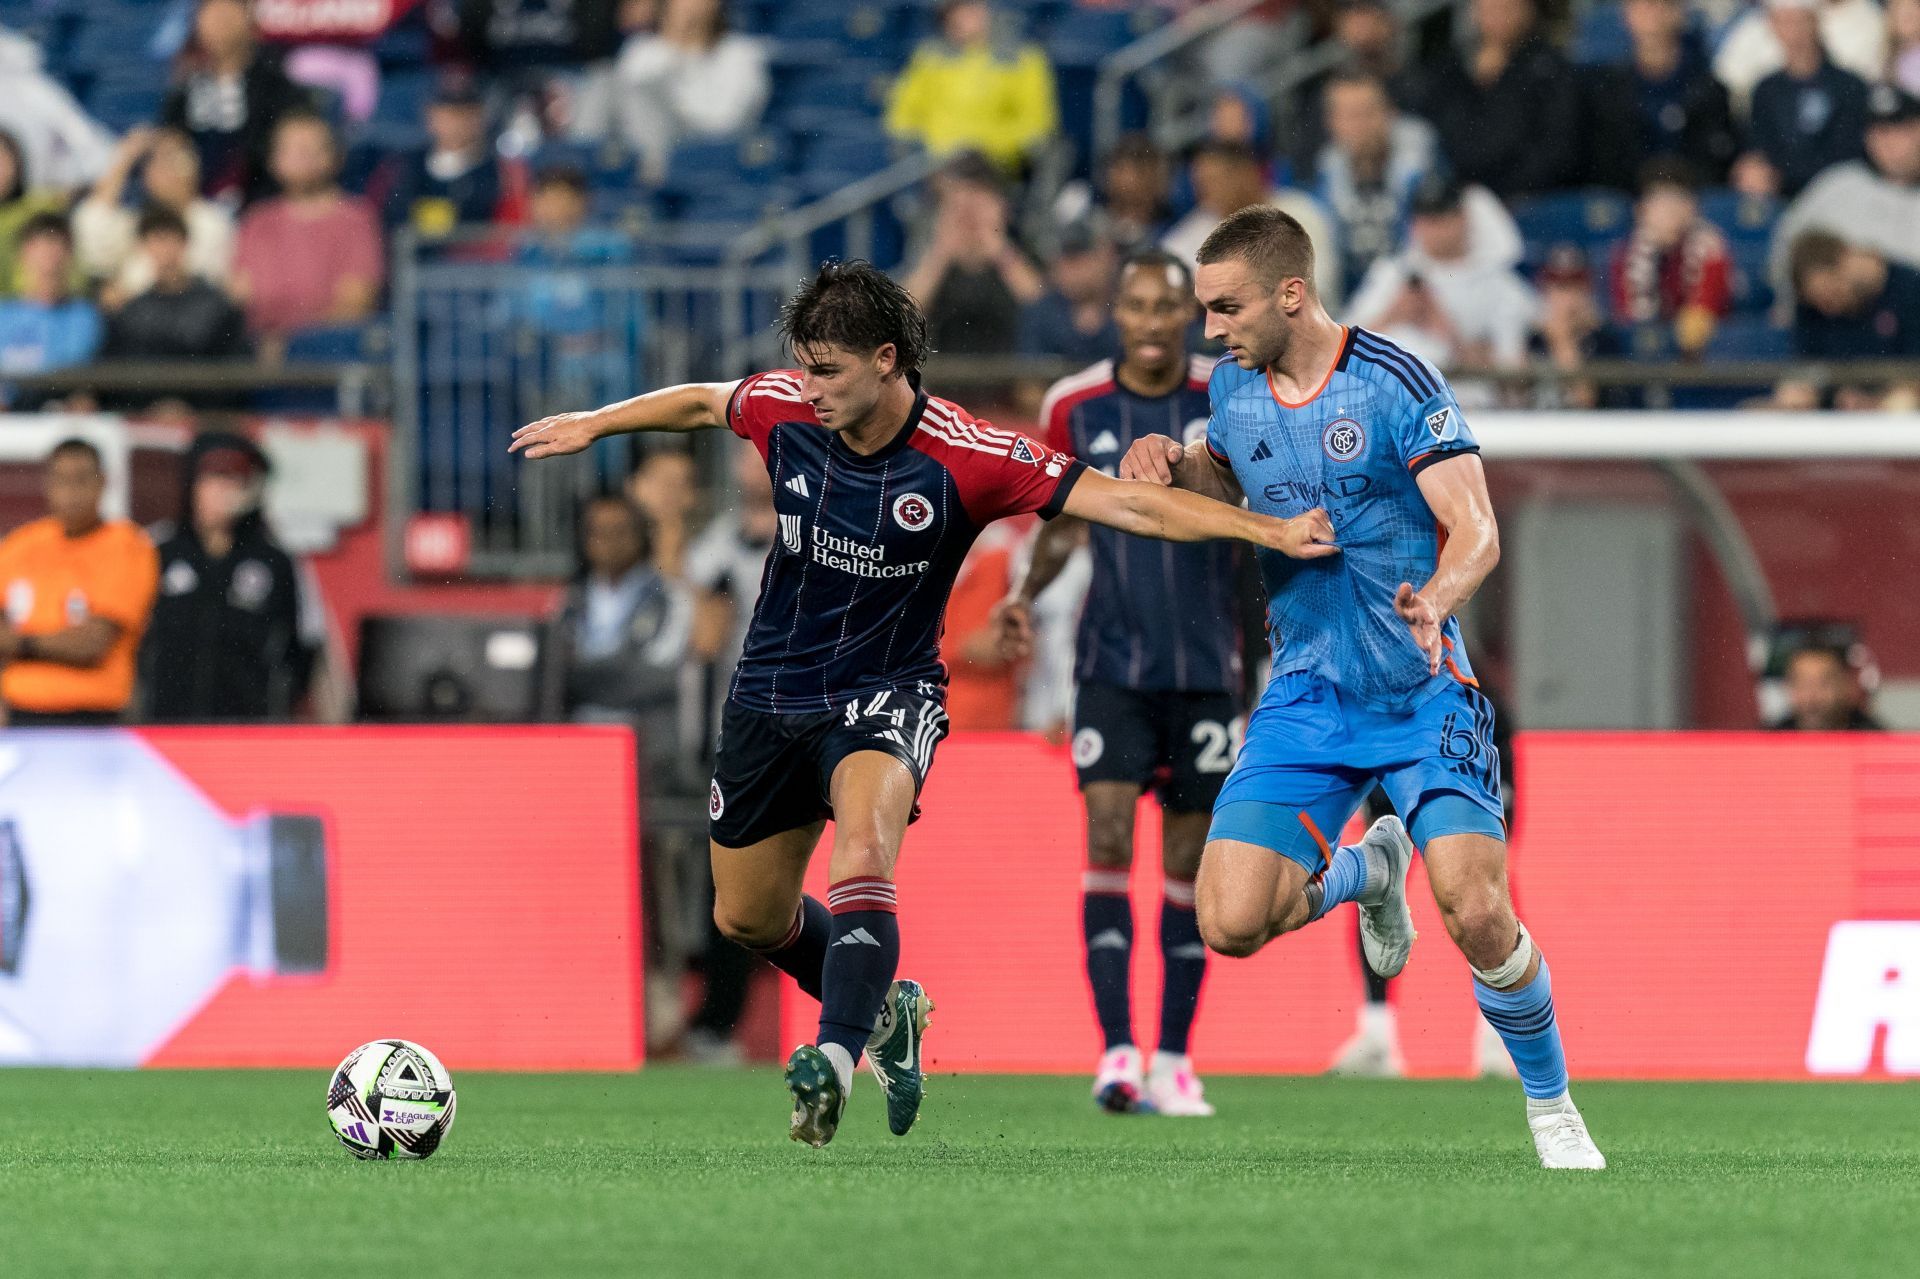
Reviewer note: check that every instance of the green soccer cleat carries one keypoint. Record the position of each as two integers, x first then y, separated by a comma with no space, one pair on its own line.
819,1099
893,1052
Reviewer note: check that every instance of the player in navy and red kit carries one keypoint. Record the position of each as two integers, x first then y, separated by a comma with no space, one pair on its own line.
836,706
1157,674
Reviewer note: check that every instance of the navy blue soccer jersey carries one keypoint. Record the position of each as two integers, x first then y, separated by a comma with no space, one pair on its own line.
1159,615
855,591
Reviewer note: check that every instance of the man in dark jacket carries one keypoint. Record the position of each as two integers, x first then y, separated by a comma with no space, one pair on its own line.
229,640
1662,103
180,316
1508,114
231,99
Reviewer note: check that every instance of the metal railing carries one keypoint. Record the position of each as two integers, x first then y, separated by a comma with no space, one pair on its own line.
359,387
1150,51
481,348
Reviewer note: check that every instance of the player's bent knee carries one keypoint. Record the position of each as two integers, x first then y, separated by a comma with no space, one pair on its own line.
1233,933
1484,930
742,929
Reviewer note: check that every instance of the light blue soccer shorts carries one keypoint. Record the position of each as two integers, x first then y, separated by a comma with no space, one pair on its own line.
1311,755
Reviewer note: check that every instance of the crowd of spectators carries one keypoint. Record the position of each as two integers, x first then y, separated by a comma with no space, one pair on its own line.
1409,159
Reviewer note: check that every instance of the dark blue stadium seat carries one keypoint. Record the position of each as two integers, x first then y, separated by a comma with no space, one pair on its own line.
1085,37
331,344
849,152
1750,338
806,123
404,94
122,106
609,166
1740,217
1590,219
1600,37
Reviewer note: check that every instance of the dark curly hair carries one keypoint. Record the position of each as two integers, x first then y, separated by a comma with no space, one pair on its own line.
856,306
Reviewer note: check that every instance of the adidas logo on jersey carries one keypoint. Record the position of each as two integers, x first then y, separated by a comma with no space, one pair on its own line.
1104,443
798,484
1261,452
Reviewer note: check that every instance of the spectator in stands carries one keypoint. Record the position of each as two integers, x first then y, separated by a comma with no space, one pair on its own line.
1367,35
726,563
1131,196
665,485
1074,318
78,589
1903,45
1672,273
179,315
106,233
1497,107
1452,295
230,100
45,327
20,202
1573,330
588,338
1853,303
1239,114
1366,173
1825,693
459,179
690,80
972,279
508,35
1873,204
1806,116
1852,32
54,139
235,631
1672,103
1228,177
310,256
974,89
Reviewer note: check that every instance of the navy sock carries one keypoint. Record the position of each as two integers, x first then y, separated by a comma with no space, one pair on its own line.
1106,917
861,959
1183,957
802,953
1526,1023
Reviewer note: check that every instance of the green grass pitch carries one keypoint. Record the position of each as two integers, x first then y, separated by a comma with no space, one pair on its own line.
675,1172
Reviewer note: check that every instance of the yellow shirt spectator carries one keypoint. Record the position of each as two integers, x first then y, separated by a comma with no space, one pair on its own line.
976,97
77,591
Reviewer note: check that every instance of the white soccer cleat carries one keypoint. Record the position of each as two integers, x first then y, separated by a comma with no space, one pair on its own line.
1490,1057
1119,1084
1386,925
1372,1053
1173,1089
1560,1138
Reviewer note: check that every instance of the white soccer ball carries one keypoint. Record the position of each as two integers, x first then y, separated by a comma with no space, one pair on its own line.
390,1099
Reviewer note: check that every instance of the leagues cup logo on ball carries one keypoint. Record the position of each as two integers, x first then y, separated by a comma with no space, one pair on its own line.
390,1099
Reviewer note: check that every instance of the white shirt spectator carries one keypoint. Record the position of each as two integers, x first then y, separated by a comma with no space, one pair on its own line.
1853,31
62,145
1185,237
104,243
661,94
1862,206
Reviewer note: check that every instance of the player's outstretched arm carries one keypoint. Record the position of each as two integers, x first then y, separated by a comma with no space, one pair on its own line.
1175,515
1159,459
1456,490
689,407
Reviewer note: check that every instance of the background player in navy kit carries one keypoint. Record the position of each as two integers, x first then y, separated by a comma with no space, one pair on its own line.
1157,670
837,702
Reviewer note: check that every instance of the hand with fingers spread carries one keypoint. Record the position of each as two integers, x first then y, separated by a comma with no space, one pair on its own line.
1011,624
1423,622
1152,458
556,436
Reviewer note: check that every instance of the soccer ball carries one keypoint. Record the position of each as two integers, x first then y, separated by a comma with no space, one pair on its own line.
390,1099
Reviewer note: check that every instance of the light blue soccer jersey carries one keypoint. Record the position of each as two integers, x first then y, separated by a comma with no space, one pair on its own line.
1381,417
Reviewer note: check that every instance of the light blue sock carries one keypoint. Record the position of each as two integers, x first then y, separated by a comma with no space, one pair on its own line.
1349,875
1524,1018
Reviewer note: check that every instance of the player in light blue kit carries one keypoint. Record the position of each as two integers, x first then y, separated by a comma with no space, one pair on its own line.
1371,682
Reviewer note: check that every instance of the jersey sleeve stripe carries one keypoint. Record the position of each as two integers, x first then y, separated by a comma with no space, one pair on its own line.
733,404
1068,478
1384,353
1431,456
1218,456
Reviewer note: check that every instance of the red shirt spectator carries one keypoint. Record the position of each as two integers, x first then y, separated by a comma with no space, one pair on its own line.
1674,267
311,256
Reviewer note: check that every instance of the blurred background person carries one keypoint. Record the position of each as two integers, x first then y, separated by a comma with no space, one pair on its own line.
983,683
20,202
1852,33
1873,203
1072,319
1230,176
45,327
1805,117
972,279
1825,692
1496,103
310,256
177,314
235,633
1673,275
975,88
106,231
78,589
1131,196
51,132
230,99
1666,95
459,179
1365,175
1903,45
665,484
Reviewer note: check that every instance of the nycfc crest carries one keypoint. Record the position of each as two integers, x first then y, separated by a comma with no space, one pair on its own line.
1344,439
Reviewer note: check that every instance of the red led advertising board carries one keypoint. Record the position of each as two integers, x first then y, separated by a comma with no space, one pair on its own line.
1715,906
272,897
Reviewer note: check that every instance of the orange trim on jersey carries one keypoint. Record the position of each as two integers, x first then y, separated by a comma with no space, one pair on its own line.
1315,393
1326,850
1423,457
1454,670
